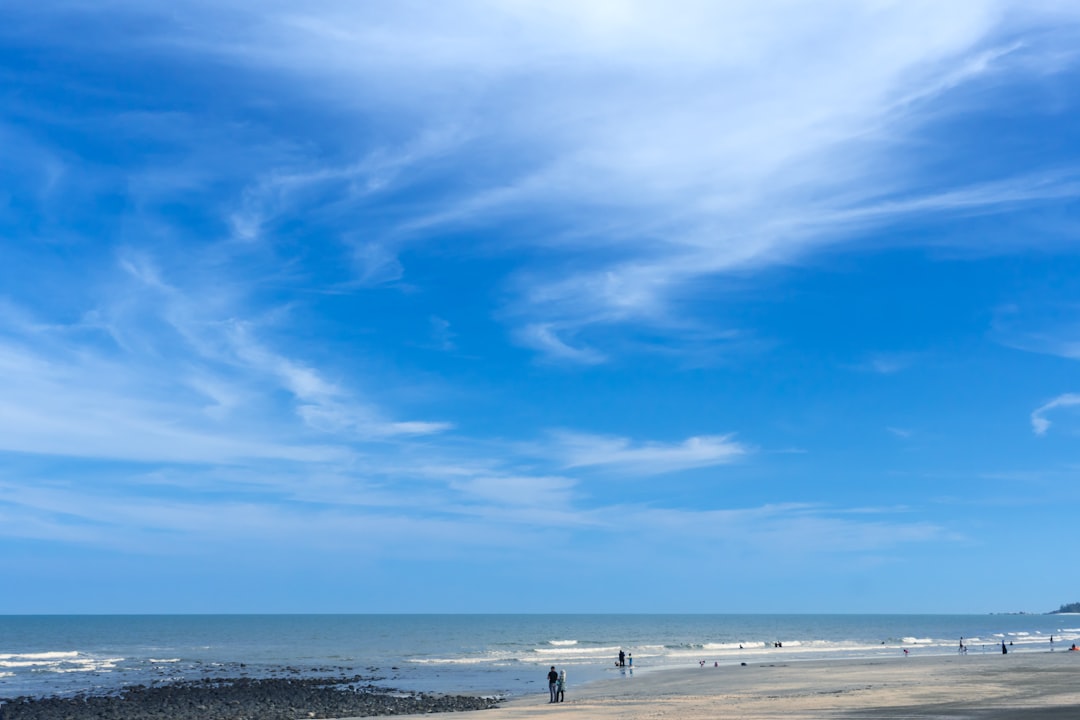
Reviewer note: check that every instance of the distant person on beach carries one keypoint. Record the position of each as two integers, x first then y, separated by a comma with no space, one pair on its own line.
561,690
553,681
630,659
1004,650
622,659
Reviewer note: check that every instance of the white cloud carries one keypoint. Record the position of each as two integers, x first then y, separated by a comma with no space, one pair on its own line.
1039,423
783,531
186,381
498,514
1039,326
538,491
544,338
645,130
582,450
640,150
655,148
376,264
87,407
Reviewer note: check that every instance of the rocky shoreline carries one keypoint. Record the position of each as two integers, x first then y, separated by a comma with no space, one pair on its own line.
243,699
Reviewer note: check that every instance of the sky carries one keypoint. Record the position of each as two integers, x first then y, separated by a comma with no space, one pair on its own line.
539,306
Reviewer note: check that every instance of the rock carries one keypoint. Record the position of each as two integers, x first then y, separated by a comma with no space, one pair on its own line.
242,698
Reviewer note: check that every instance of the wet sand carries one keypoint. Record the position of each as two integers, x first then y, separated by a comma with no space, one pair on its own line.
1043,686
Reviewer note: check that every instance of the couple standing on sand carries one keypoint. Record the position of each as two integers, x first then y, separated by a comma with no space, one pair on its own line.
557,685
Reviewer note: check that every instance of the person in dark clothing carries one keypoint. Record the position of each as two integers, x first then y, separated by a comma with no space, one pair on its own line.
553,682
622,659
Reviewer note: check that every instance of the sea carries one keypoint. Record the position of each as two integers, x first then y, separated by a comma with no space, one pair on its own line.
502,655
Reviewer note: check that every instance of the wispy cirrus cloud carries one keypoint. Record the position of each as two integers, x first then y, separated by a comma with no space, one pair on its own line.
484,516
794,529
216,286
578,450
518,490
1040,423
320,404
82,407
628,144
545,338
156,371
1039,325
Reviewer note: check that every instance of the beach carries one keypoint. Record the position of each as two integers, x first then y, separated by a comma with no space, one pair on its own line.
503,655
1042,686
1036,686
686,666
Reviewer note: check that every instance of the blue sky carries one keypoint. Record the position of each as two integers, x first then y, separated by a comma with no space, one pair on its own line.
539,306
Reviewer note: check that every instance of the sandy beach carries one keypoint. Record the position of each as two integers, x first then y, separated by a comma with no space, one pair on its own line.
983,687
986,686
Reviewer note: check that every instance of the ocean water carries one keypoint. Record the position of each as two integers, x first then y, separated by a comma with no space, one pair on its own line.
470,654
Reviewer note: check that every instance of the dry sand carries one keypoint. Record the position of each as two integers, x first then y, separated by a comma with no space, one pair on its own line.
983,687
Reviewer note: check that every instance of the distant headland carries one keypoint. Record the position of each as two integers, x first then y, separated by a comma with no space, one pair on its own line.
1067,608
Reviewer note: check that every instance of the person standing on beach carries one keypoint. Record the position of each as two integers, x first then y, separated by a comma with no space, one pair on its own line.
1004,650
561,691
622,659
553,679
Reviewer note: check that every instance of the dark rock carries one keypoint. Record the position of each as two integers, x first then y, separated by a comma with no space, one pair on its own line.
240,699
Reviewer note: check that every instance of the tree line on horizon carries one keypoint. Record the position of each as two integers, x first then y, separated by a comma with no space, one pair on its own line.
1068,608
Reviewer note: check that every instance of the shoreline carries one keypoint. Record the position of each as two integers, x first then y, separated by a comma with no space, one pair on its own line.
1036,686
505,655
